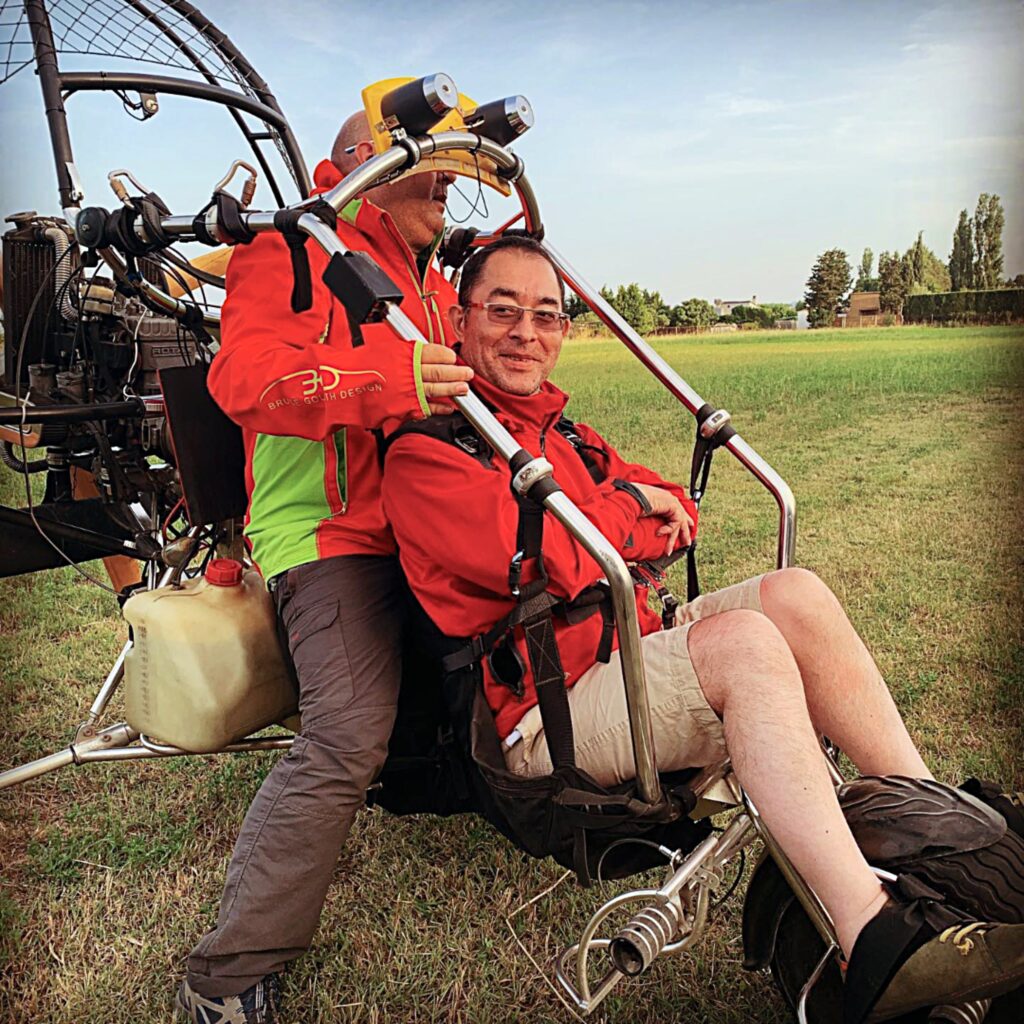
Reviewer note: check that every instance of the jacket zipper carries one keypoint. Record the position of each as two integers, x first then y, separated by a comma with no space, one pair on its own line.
420,282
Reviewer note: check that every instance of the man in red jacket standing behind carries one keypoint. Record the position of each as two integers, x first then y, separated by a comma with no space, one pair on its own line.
307,389
755,672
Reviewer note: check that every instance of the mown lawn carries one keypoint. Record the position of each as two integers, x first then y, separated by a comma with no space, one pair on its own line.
904,449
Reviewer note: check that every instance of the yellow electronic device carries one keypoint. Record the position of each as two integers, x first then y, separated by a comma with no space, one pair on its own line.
470,165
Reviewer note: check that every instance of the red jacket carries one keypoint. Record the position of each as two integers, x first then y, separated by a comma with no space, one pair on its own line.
455,522
304,394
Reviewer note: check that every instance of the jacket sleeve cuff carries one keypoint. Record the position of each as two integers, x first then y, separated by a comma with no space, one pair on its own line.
417,372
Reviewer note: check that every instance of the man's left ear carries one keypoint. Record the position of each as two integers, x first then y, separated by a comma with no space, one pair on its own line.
364,150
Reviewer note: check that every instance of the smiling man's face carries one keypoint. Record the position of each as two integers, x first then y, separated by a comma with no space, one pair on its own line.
518,357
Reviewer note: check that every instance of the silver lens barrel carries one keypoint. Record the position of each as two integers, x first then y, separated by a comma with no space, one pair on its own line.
418,106
503,121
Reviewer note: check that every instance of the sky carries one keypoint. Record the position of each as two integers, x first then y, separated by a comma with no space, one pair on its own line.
700,149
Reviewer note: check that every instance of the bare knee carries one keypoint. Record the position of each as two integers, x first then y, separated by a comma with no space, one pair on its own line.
740,651
797,596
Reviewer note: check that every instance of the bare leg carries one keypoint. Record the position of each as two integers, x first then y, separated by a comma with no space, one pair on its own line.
846,695
749,676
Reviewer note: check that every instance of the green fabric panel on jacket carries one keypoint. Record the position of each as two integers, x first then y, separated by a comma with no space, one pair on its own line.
341,447
350,211
288,500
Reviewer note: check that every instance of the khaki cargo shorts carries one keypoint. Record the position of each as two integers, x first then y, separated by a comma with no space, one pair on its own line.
687,733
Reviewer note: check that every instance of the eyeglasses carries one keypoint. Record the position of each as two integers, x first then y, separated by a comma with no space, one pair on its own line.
506,315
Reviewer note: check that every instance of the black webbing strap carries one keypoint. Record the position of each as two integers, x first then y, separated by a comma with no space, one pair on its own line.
120,227
700,470
552,697
586,452
230,225
539,627
692,579
286,221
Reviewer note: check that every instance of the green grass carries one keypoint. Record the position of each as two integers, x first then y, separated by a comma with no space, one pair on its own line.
904,449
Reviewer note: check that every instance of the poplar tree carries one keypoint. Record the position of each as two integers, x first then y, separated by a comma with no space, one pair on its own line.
988,242
866,282
961,259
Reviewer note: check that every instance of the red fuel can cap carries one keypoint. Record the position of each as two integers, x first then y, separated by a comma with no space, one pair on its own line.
224,572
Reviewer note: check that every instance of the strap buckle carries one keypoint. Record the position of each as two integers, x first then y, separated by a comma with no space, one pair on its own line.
515,573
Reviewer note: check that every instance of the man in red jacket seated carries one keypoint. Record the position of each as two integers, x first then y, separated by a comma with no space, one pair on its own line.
306,389
755,672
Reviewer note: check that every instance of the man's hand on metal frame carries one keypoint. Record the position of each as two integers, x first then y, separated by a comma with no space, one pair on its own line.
442,378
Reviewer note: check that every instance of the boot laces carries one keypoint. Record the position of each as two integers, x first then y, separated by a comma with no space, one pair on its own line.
959,934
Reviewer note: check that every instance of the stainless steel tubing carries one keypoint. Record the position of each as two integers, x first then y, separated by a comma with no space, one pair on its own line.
563,509
110,684
382,167
801,1005
42,765
148,750
808,898
78,753
630,651
684,393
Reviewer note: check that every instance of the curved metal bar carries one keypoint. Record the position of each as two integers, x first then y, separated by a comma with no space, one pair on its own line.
107,81
384,167
628,627
201,67
746,455
56,118
238,63
597,545
801,1004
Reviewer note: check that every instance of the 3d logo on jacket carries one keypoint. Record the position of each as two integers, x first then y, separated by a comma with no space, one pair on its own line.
323,384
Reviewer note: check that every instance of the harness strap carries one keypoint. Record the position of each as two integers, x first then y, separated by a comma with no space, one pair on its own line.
586,452
704,448
121,225
552,696
229,218
286,221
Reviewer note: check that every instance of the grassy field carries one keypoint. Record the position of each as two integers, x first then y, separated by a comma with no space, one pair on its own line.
904,449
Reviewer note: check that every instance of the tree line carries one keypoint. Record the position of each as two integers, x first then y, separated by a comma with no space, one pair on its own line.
646,311
975,263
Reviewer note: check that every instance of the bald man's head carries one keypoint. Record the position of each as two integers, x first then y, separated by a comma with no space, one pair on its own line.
356,129
416,202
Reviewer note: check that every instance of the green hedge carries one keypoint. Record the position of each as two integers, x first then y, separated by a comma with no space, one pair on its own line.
997,306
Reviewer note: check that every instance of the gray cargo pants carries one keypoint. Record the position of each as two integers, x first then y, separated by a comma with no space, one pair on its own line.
344,617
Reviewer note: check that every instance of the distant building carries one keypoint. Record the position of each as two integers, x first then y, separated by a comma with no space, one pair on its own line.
865,311
723,307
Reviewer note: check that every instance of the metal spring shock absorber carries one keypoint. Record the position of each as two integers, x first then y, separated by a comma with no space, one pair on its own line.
968,1013
637,945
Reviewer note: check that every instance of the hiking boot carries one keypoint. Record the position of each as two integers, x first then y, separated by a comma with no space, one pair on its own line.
922,953
257,1005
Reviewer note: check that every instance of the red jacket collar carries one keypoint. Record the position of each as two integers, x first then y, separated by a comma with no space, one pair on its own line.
537,411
